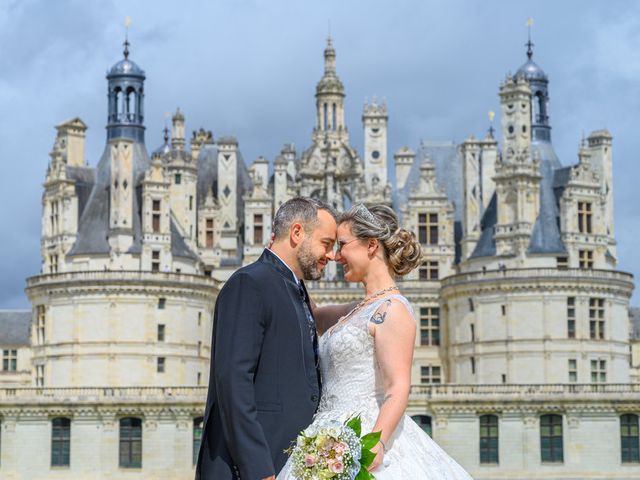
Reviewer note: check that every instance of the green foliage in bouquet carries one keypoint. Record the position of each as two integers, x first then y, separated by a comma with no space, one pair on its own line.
367,442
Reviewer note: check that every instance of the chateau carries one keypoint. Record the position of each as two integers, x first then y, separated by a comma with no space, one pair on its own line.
522,366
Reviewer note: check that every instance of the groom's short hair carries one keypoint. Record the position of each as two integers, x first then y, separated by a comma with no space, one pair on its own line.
303,210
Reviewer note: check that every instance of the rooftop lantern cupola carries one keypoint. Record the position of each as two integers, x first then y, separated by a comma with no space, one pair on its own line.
126,98
330,95
539,84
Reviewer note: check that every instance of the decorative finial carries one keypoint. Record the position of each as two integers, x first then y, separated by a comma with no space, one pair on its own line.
166,128
492,114
529,43
127,24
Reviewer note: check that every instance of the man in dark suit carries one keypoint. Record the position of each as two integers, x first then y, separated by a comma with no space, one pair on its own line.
264,385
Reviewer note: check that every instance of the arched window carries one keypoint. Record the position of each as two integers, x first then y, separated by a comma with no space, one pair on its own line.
325,117
424,422
130,104
333,118
551,438
197,437
60,442
629,448
489,439
130,442
117,103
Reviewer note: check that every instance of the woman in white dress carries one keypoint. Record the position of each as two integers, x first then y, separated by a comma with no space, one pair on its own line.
366,355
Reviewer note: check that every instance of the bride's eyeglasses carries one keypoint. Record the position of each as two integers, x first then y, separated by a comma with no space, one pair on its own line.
340,244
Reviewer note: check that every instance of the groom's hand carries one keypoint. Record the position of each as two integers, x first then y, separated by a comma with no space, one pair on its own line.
272,477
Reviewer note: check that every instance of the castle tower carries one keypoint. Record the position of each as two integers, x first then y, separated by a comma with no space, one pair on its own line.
330,99
374,121
517,178
156,218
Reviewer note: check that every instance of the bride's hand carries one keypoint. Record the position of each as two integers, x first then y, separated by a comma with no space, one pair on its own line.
379,451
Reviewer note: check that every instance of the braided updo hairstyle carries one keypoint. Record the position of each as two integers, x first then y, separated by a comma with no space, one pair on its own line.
400,247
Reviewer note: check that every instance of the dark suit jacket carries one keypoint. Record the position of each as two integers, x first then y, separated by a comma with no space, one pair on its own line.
263,384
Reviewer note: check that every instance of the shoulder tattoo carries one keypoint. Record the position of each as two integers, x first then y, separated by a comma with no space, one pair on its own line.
380,314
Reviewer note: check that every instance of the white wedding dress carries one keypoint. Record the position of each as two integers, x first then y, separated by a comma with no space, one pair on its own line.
352,384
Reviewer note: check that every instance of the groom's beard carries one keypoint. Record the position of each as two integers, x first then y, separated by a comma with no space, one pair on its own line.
308,263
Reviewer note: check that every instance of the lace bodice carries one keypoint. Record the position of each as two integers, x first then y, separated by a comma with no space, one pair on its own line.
351,380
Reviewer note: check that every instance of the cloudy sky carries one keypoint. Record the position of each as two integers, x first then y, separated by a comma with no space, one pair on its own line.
249,68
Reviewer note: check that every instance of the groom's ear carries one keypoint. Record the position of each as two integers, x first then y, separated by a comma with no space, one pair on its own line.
296,234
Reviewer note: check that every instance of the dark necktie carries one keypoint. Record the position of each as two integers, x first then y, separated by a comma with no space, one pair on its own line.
310,321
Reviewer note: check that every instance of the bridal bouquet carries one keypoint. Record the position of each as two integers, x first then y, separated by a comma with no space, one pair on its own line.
334,451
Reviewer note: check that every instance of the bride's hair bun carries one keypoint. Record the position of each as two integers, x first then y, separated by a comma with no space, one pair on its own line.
401,249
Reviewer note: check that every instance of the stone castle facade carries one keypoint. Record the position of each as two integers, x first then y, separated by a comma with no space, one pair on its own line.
522,365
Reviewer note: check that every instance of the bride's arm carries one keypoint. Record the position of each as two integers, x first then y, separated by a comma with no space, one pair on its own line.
328,315
394,330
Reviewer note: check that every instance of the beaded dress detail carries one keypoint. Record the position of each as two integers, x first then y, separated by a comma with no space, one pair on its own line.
352,384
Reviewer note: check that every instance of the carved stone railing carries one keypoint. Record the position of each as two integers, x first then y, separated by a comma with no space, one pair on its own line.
120,276
444,392
535,273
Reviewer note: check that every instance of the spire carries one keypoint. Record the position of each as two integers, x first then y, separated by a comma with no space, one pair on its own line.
529,43
127,24
329,58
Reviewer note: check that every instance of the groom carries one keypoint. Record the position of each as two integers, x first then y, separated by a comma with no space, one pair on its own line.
264,385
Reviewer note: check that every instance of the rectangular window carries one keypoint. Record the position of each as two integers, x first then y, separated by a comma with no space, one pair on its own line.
430,374
598,371
162,302
473,332
551,450
178,179
473,365
428,270
571,317
562,263
430,326
60,442
209,233
39,375
257,229
489,439
161,330
161,364
584,217
9,360
428,228
573,370
585,259
471,306
596,318
155,261
155,223
630,448
41,318
130,443
197,437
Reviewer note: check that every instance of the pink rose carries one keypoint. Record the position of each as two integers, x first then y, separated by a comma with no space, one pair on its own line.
309,460
340,447
337,467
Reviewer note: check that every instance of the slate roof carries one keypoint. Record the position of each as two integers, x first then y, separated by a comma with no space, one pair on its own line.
546,237
448,169
15,327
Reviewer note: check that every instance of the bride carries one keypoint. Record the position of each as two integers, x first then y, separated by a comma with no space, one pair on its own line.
366,355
